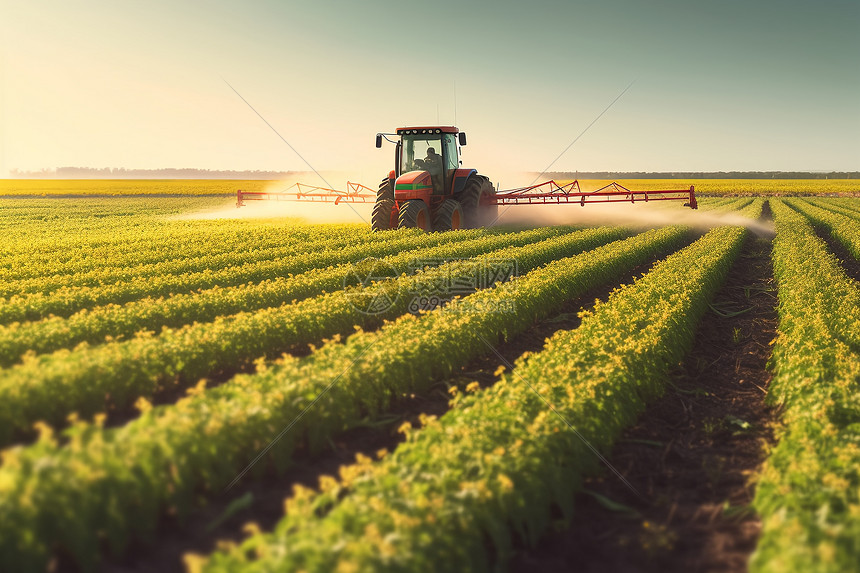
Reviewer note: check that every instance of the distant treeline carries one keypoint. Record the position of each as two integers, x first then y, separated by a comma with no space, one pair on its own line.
702,175
189,173
168,173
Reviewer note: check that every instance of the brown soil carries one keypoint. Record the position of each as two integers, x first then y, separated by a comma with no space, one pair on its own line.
483,369
691,455
849,262
205,526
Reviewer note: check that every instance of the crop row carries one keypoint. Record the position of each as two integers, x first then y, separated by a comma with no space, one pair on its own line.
156,241
95,324
96,217
850,207
159,191
50,387
460,490
48,252
112,484
844,229
68,300
710,203
729,205
450,444
808,493
123,274
121,232
118,284
735,204
31,276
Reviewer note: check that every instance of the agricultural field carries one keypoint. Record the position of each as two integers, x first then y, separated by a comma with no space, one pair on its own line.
124,187
120,187
194,393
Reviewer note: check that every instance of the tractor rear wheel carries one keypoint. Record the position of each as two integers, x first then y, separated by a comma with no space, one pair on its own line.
475,214
381,218
414,214
490,212
385,191
449,217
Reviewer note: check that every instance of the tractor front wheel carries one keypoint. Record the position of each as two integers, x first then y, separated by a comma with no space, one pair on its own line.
449,217
381,218
414,214
385,191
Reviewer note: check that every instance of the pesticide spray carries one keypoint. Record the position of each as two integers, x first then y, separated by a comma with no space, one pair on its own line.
297,212
641,216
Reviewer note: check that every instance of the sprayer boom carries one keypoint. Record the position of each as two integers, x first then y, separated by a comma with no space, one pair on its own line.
552,192
355,193
548,192
431,190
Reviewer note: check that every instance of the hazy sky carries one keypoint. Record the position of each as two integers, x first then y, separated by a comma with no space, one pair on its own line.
719,85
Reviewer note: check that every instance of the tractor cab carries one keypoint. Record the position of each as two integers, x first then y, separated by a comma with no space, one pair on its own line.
431,149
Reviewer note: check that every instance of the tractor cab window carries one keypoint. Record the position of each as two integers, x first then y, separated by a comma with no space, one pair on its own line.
450,142
421,153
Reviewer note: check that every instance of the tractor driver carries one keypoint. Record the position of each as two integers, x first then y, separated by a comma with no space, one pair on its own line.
433,160
433,164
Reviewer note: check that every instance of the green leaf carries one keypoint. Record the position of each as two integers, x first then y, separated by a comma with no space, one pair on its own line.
739,422
728,313
235,506
610,504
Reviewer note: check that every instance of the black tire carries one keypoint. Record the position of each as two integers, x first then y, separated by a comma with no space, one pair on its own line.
414,214
489,213
449,217
385,190
381,218
475,214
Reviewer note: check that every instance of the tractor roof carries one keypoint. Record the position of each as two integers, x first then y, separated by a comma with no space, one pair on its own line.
427,129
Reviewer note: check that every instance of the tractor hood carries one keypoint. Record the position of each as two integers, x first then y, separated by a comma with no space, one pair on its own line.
413,185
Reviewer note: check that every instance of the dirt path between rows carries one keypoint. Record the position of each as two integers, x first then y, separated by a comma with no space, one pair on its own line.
849,263
264,497
691,455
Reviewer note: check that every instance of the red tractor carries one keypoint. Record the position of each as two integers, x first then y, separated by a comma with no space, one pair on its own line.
428,188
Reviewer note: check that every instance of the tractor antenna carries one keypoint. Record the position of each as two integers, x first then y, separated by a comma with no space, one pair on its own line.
455,102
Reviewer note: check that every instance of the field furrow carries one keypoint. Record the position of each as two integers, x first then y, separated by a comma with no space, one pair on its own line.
838,209
95,324
121,240
458,492
172,368
729,204
842,228
115,482
68,300
31,277
850,207
89,380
